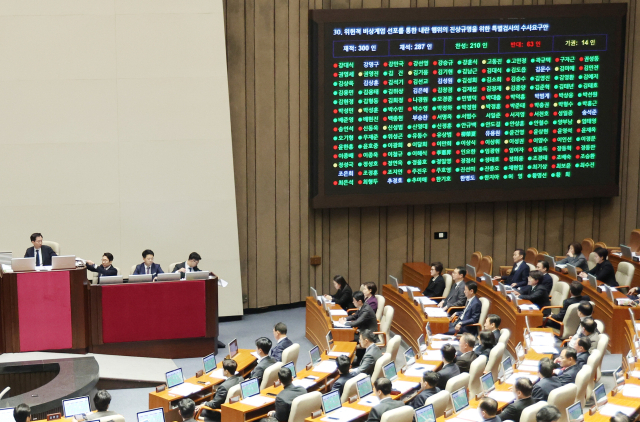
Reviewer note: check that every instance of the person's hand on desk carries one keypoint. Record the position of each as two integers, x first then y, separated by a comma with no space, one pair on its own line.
441,304
327,298
458,326
632,291
497,277
517,293
342,321
583,274
514,285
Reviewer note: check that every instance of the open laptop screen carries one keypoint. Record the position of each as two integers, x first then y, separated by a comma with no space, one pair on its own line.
600,392
250,388
233,348
292,368
425,414
460,399
364,387
331,401
507,365
153,415
76,406
574,412
409,356
330,340
174,377
209,363
393,281
390,370
315,355
6,414
487,382
471,271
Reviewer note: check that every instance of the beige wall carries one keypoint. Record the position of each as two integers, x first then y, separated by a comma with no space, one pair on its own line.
115,132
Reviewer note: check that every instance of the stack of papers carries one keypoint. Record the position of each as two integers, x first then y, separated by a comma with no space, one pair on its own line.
502,396
185,389
443,337
514,377
306,383
545,350
611,410
255,355
631,390
7,268
561,265
544,341
343,414
423,300
369,401
326,366
336,324
528,368
470,415
404,386
432,355
413,289
635,374
623,301
217,374
44,268
257,401
336,354
531,307
439,344
338,312
416,370
435,312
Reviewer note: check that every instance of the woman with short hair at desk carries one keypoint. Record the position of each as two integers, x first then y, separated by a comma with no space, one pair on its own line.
344,295
604,269
436,284
370,289
104,270
575,257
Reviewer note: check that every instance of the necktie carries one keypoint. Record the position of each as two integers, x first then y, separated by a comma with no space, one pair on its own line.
38,258
147,270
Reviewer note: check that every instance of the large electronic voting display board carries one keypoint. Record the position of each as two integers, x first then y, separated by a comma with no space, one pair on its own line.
465,104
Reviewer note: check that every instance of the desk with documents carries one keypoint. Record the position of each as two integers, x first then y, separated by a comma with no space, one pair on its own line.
318,324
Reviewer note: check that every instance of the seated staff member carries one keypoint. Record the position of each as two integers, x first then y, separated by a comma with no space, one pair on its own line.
344,364
466,354
429,388
101,402
189,266
285,398
488,410
371,354
42,253
364,318
344,294
263,346
456,295
588,329
492,323
546,282
604,269
534,293
370,289
585,310
187,410
282,341
583,346
148,266
547,382
106,269
548,414
22,413
487,342
575,257
523,389
449,368
229,367
575,290
436,284
519,272
461,321
382,390
568,367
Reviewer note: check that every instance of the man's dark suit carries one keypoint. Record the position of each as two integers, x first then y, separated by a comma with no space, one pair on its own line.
469,315
456,296
496,334
542,388
368,361
142,269
102,271
538,296
180,266
513,411
45,253
493,419
284,400
568,302
363,319
276,351
419,400
386,404
258,371
582,359
340,382
220,397
546,283
435,288
448,371
464,361
519,276
568,375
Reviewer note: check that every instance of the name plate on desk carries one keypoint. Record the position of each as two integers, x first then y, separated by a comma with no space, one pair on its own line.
161,388
54,416
200,373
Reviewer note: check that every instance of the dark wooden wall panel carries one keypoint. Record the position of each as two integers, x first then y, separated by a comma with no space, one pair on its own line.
267,52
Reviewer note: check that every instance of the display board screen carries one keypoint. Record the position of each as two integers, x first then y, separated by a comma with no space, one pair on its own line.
465,104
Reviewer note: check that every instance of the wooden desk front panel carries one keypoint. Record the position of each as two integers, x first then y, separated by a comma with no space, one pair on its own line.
318,325
417,274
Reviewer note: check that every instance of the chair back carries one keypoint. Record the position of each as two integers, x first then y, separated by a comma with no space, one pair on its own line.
455,384
440,401
350,387
571,321
448,282
624,274
393,346
600,245
234,391
562,398
172,266
505,333
386,320
587,246
559,293
531,256
486,304
599,325
270,375
592,261
532,267
290,354
133,269
401,414
118,270
304,405
634,240
582,381
380,363
603,342
53,245
475,372
476,257
381,302
486,266
594,361
495,358
529,413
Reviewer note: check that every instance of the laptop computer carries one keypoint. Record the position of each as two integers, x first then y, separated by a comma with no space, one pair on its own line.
503,289
140,278
209,363
626,251
574,413
315,355
488,281
471,271
198,275
507,368
593,281
250,388
314,293
411,297
551,260
6,414
76,406
233,348
174,378
393,281
618,375
63,262
421,343
329,338
460,400
487,383
169,277
425,414
331,402
389,371
23,264
111,279
520,352
514,298
364,387
571,269
153,415
292,368
526,320
600,395
409,356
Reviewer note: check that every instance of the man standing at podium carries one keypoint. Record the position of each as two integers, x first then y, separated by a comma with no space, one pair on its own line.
41,252
189,266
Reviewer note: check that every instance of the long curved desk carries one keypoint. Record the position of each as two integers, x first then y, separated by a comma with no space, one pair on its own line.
319,323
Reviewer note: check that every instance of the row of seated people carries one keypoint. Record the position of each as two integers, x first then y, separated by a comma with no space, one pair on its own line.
101,402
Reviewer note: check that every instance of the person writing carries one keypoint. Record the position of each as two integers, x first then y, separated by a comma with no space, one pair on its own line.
343,295
604,269
106,269
42,253
189,266
436,284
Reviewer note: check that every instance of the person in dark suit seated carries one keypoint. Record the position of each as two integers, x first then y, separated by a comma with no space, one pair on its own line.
285,398
428,387
22,413
487,342
619,417
604,269
534,293
568,367
449,368
42,253
466,354
229,367
575,257
523,389
187,410
371,353
189,266
546,282
263,346
382,390
492,323
364,318
436,285
104,270
282,341
547,382
344,364
461,321
101,402
582,349
589,330
343,296
148,266
575,290
489,409
519,273
548,414
456,295
370,289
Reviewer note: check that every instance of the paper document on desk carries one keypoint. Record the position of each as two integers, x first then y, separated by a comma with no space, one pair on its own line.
336,354
435,312
306,383
404,386
513,378
470,415
44,268
439,344
531,307
433,355
611,410
336,324
623,301
326,366
343,414
631,390
635,374
544,341
423,300
545,350
337,312
218,374
255,355
443,337
6,268
416,370
185,389
528,368
413,289
257,401
369,401
561,265
530,362
222,283
502,396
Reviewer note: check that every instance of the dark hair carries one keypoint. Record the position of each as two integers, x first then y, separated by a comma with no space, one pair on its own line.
589,324
344,364
462,271
470,339
521,252
264,344
358,296
285,376
439,266
187,408
280,327
576,288
340,280
548,414
372,287
577,248
368,335
195,255
230,365
473,286
33,238
602,252
619,417
584,343
545,264
147,252
383,385
487,339
101,400
570,353
524,386
545,367
494,319
536,275
431,378
22,411
585,308
448,352
489,405
108,255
